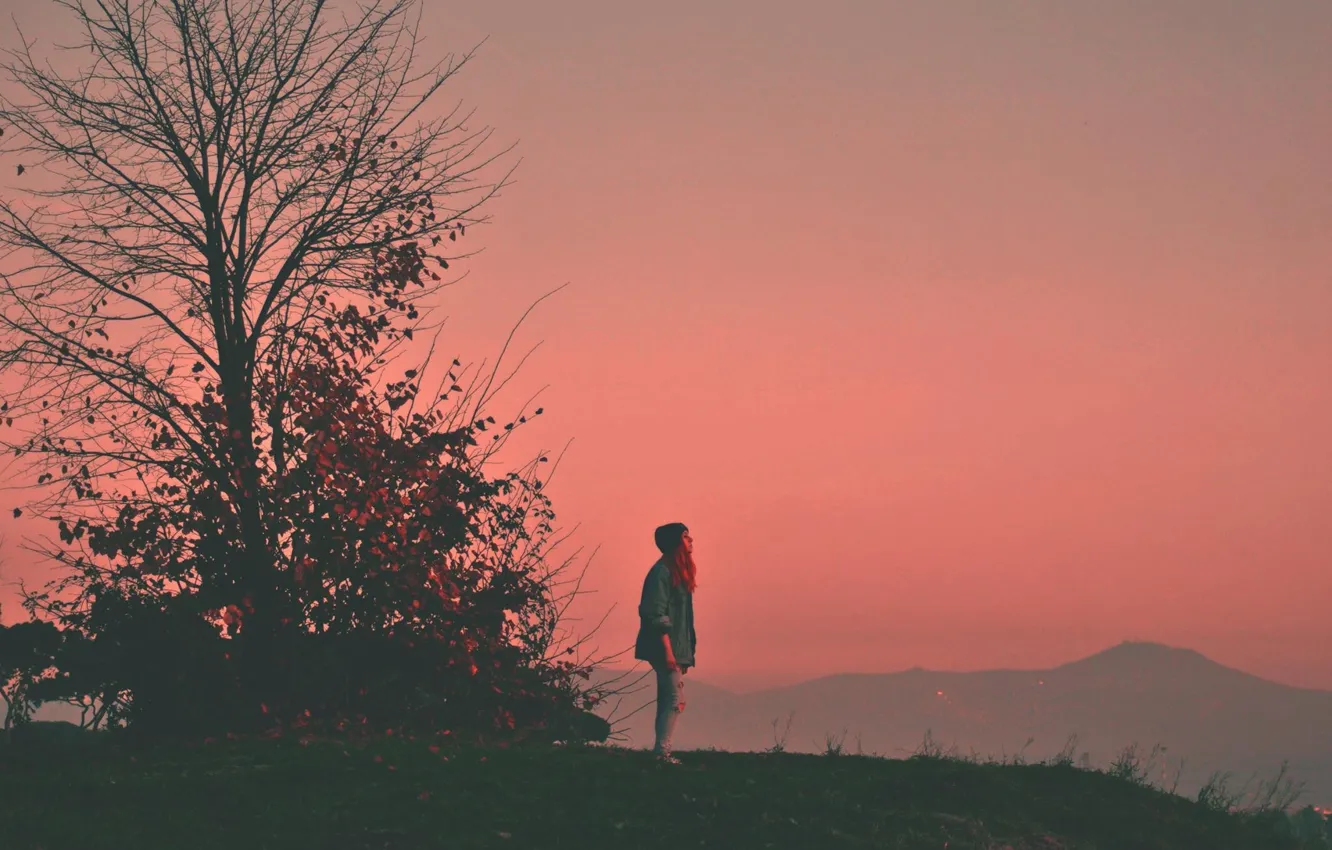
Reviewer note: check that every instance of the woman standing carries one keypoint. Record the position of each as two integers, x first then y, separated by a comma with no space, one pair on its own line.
666,637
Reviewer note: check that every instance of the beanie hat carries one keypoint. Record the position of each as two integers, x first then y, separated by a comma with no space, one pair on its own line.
668,537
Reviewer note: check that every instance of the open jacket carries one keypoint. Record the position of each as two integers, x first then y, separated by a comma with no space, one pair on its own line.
666,608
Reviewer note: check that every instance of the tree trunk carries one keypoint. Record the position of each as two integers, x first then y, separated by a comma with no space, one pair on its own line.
256,577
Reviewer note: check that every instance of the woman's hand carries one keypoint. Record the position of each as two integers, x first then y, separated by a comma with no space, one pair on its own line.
670,654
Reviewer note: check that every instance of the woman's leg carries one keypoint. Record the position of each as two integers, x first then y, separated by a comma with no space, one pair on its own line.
670,702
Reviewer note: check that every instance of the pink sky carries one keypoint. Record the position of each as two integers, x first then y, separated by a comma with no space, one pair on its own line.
961,334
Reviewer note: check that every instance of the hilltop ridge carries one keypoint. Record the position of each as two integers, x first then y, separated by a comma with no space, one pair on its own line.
397,794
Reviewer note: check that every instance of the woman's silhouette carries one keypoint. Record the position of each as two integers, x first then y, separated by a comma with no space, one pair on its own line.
666,637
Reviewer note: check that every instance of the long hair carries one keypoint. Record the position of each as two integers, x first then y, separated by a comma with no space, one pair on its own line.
683,569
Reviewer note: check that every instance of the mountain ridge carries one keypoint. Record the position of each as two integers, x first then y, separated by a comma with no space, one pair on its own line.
1123,653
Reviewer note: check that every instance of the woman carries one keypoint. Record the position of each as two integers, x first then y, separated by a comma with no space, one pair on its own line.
666,637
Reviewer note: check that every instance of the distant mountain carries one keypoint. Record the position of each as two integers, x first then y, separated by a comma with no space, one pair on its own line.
1213,717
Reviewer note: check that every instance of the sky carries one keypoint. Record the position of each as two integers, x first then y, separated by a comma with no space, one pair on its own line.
962,334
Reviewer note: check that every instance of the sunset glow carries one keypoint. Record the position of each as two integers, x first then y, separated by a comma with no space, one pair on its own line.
962,335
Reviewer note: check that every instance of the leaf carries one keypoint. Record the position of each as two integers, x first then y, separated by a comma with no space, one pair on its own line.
21,169
18,512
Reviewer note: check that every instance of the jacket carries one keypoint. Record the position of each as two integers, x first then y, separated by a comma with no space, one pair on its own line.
665,608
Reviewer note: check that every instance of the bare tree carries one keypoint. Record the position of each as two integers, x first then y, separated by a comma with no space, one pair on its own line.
220,176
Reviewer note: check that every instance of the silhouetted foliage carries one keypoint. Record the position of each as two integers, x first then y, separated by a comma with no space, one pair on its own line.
27,654
246,211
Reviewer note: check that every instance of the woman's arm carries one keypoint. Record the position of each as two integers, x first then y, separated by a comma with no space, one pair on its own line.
655,610
670,653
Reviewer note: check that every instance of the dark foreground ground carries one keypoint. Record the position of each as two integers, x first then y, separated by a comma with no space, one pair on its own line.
400,794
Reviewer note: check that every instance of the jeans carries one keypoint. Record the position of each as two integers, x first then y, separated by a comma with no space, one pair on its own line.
670,702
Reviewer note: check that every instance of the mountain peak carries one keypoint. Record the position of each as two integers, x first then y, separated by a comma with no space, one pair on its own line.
1142,653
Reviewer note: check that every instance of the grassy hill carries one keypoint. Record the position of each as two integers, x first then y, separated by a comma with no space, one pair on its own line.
402,794
1210,718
